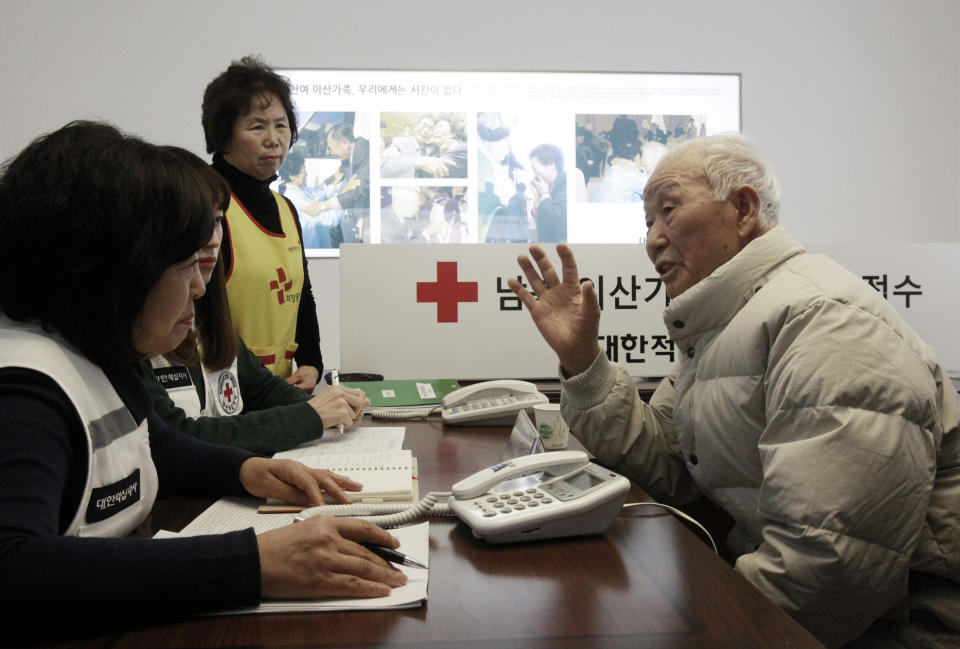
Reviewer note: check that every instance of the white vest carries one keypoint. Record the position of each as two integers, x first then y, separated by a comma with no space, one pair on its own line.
220,387
121,484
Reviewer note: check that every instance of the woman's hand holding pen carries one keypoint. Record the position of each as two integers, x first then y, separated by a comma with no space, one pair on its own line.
340,405
322,557
293,482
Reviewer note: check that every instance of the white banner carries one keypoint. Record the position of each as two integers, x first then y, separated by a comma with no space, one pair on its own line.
418,311
421,311
920,280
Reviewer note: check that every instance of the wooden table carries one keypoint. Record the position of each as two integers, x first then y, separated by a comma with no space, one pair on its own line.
647,582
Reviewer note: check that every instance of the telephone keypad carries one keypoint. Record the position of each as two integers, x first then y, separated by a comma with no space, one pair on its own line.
509,502
486,403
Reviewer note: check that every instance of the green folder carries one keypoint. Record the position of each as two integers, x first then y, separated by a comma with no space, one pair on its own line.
405,393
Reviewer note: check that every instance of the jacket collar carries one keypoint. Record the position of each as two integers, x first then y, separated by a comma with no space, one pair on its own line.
713,301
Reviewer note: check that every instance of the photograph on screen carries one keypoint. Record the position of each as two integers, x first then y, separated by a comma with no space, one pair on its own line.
617,153
423,145
424,214
326,175
492,157
522,176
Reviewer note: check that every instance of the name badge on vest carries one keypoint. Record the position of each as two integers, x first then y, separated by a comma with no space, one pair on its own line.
227,392
112,499
173,377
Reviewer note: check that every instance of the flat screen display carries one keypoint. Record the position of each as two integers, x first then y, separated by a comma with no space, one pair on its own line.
393,157
584,481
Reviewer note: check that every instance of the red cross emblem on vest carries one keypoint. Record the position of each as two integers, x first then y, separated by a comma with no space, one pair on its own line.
281,280
447,292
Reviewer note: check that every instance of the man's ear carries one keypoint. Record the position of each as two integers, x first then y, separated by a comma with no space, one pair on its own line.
747,202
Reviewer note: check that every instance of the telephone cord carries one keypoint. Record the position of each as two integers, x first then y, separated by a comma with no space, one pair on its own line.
387,515
680,514
401,414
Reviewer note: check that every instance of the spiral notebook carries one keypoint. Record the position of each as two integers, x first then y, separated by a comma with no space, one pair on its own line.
389,476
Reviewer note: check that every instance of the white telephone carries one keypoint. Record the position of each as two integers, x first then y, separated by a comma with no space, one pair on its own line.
528,498
490,402
539,496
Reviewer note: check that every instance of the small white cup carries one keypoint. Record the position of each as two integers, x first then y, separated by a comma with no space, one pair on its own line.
551,427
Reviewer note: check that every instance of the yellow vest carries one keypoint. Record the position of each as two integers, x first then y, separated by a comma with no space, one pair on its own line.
264,284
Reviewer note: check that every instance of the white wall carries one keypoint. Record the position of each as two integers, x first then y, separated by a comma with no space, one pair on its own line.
856,102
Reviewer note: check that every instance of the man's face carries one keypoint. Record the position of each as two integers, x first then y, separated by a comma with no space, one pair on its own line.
340,147
442,131
423,130
548,172
689,234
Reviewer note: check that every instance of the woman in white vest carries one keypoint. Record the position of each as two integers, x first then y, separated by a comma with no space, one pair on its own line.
249,125
213,387
99,233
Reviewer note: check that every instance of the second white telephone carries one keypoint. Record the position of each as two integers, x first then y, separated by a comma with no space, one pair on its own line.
490,402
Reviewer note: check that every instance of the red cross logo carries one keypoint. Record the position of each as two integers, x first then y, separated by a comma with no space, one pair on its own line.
275,284
228,392
447,292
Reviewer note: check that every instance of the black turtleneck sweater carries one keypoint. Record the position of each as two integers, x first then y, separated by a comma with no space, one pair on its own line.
256,196
95,584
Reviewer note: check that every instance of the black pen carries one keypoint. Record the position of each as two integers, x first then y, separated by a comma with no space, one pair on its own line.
392,555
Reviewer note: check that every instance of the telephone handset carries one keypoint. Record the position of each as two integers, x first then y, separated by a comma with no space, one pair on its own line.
539,496
490,402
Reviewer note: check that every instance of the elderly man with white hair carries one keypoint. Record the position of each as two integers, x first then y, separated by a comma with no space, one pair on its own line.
802,404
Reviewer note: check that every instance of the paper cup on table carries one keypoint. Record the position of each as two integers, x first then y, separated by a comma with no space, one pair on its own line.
550,425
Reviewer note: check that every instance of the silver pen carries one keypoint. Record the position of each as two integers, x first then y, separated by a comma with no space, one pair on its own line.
335,380
393,556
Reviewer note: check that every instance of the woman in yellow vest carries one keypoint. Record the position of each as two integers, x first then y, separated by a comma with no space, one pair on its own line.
249,126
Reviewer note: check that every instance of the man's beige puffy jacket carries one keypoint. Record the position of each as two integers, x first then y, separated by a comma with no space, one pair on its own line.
809,410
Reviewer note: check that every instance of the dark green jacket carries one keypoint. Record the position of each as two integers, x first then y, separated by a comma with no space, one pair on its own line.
275,415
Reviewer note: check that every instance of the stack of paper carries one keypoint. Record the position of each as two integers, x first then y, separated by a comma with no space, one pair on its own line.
388,477
231,514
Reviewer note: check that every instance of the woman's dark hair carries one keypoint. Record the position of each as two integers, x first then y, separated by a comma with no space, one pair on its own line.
624,129
231,95
628,149
90,219
292,165
548,154
213,341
